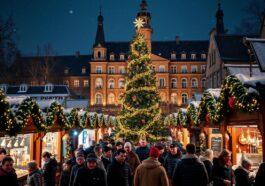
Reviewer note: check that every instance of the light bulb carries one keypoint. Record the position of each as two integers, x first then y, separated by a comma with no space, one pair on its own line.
3,144
16,143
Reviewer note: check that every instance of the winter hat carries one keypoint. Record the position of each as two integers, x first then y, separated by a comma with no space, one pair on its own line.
91,157
154,152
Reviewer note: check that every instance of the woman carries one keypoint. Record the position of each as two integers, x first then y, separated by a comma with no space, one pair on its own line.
49,169
34,177
260,177
243,174
222,170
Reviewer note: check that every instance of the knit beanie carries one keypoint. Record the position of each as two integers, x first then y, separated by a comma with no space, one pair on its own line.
154,152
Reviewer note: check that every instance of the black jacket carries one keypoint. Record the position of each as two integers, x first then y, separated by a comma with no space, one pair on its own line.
119,174
88,177
8,178
65,178
209,168
242,177
221,172
190,171
106,162
260,176
73,173
49,172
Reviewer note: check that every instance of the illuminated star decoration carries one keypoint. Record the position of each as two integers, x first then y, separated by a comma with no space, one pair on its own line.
138,23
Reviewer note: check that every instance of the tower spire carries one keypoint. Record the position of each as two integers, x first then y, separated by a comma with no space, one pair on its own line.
219,19
100,37
144,14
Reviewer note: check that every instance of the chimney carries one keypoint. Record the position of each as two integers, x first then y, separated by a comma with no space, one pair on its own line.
77,54
177,39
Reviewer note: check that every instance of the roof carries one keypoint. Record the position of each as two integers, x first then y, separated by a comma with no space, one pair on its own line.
231,47
163,48
258,47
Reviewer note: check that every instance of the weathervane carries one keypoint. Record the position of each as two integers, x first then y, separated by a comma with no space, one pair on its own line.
138,23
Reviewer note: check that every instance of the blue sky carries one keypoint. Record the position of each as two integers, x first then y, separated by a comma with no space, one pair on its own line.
70,25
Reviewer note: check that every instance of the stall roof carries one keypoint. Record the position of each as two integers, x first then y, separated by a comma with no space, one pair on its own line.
258,47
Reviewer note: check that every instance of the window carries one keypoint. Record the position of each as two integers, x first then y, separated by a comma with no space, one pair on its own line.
173,83
83,70
203,83
98,99
121,57
98,69
99,54
121,83
76,83
161,82
98,83
111,98
174,98
183,56
66,71
184,70
48,88
161,68
111,84
183,83
86,84
122,70
111,58
184,99
111,70
153,69
32,83
203,56
173,56
193,56
194,69
23,88
173,69
203,69
194,83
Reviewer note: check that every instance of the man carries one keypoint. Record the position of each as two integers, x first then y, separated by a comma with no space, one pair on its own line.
34,177
106,158
190,170
143,150
49,169
119,173
80,160
151,172
2,154
8,176
99,154
90,174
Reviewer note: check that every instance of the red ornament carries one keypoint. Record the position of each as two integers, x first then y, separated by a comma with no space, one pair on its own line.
143,120
207,118
134,97
30,121
231,102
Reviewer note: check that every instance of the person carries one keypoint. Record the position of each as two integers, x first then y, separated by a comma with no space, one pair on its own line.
99,154
143,150
151,172
207,160
222,170
49,169
172,160
190,170
243,175
35,177
260,176
8,176
90,174
2,154
131,158
66,173
161,158
119,173
106,158
80,160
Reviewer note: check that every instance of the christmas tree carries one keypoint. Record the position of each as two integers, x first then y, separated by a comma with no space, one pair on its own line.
140,116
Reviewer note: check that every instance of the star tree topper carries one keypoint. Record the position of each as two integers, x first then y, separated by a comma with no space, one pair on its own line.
138,23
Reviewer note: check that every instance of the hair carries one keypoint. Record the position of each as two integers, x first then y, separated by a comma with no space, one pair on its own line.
32,165
246,162
190,148
208,153
2,151
46,154
120,151
7,158
224,153
128,144
97,147
107,149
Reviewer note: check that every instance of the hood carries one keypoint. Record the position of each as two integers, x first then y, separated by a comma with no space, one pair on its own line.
151,163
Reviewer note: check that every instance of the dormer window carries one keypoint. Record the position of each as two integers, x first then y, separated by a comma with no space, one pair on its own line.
3,87
111,57
66,71
183,56
83,70
173,56
203,56
193,56
23,88
121,57
48,88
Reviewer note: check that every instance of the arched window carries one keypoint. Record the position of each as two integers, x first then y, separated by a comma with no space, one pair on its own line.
161,68
99,54
174,98
153,69
162,83
111,98
99,83
163,96
111,84
98,99
183,83
184,99
121,83
194,83
173,83
203,83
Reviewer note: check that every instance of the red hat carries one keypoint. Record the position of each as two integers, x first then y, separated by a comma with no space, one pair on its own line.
154,152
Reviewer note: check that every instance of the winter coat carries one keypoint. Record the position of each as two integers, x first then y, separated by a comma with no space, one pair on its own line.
49,172
106,162
119,174
133,161
190,171
221,173
150,173
142,152
65,178
242,177
73,173
88,177
170,163
35,178
8,178
260,176
209,168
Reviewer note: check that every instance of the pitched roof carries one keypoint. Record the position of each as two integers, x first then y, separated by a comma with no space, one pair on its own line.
232,48
258,47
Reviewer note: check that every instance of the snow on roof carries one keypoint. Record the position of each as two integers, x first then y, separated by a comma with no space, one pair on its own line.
259,49
83,103
247,80
245,70
195,103
15,100
214,92
43,104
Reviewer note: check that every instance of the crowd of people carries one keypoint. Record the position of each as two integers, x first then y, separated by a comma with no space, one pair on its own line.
123,164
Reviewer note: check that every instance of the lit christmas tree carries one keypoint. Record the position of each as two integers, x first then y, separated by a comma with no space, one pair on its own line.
140,116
